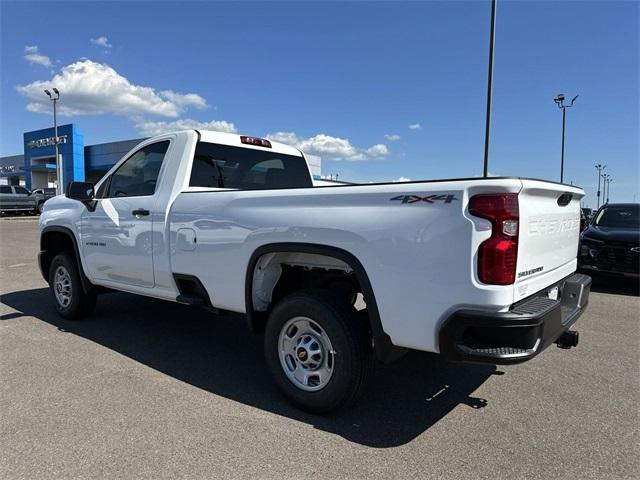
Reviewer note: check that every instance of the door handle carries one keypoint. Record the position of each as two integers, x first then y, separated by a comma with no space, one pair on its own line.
140,212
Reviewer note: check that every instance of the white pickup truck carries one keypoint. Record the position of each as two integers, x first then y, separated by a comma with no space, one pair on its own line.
478,269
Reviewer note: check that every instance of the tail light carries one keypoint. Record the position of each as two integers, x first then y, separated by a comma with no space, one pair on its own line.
258,142
498,255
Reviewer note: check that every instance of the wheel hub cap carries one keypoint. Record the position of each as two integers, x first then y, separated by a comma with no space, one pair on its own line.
306,354
62,286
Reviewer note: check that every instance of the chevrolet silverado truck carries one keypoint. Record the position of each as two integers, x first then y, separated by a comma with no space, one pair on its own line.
477,270
16,199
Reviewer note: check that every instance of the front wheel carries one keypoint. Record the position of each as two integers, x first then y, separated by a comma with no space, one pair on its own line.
318,351
71,301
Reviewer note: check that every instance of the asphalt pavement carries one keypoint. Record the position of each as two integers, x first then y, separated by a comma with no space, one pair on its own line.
151,389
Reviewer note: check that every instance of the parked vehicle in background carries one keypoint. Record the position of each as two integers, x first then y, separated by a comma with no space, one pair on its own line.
586,215
476,269
584,221
611,242
14,198
42,195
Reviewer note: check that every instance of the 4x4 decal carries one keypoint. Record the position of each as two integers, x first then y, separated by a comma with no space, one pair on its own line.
446,198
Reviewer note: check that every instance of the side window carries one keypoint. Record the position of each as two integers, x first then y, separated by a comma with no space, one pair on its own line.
138,175
5,190
21,190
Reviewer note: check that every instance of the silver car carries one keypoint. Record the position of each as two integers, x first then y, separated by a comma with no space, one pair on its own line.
14,198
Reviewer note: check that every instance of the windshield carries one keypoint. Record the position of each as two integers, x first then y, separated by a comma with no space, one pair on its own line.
627,216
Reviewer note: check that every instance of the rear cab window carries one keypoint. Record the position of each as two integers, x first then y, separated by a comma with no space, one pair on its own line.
224,166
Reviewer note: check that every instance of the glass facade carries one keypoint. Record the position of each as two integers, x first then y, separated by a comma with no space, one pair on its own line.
36,167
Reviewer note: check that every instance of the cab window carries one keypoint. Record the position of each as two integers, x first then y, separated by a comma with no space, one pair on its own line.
223,166
138,175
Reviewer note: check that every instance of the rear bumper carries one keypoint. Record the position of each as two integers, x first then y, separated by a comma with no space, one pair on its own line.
519,334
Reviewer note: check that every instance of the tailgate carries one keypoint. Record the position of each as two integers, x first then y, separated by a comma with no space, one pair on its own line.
549,235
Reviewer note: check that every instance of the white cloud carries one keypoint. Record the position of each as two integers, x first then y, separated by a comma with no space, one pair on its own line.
156,128
288,138
101,42
184,100
331,148
415,126
87,87
32,55
392,137
402,179
378,150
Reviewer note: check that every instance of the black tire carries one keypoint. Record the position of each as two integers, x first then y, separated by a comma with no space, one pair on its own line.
39,208
78,303
352,356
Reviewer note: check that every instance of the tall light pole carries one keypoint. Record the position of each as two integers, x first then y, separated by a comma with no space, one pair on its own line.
609,180
560,103
487,126
605,176
600,167
54,98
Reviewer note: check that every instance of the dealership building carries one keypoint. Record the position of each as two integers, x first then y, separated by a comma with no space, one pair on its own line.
36,167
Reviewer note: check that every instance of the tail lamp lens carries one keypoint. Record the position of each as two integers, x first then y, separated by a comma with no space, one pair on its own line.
498,255
258,142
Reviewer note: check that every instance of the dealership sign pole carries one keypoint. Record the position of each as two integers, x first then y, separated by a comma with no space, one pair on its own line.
600,167
560,103
487,126
59,179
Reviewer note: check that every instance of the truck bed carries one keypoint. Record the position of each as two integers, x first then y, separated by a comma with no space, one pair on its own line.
416,240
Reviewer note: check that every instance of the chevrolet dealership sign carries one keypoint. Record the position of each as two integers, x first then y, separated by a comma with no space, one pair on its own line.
46,142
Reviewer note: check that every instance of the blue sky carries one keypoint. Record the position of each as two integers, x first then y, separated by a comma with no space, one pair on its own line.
343,80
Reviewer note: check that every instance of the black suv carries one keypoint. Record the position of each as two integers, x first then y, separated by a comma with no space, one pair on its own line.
611,242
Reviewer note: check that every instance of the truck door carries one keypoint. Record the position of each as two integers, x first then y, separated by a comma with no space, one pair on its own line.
117,237
23,199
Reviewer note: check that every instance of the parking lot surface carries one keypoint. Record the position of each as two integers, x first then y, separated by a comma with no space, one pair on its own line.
151,389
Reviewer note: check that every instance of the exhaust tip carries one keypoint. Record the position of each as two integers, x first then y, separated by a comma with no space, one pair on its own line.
568,339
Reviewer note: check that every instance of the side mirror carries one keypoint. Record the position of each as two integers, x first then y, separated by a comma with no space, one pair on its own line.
82,191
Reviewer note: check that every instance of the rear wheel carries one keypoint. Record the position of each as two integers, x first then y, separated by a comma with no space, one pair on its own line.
71,301
318,351
40,207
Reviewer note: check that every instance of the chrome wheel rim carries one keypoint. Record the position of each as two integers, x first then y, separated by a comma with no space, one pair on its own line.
306,354
62,286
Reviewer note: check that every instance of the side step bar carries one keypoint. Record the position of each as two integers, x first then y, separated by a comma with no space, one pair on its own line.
192,292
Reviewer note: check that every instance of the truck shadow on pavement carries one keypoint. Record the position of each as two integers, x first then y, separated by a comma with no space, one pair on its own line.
219,355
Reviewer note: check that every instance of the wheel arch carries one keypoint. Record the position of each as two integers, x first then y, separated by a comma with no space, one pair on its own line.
384,348
53,240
